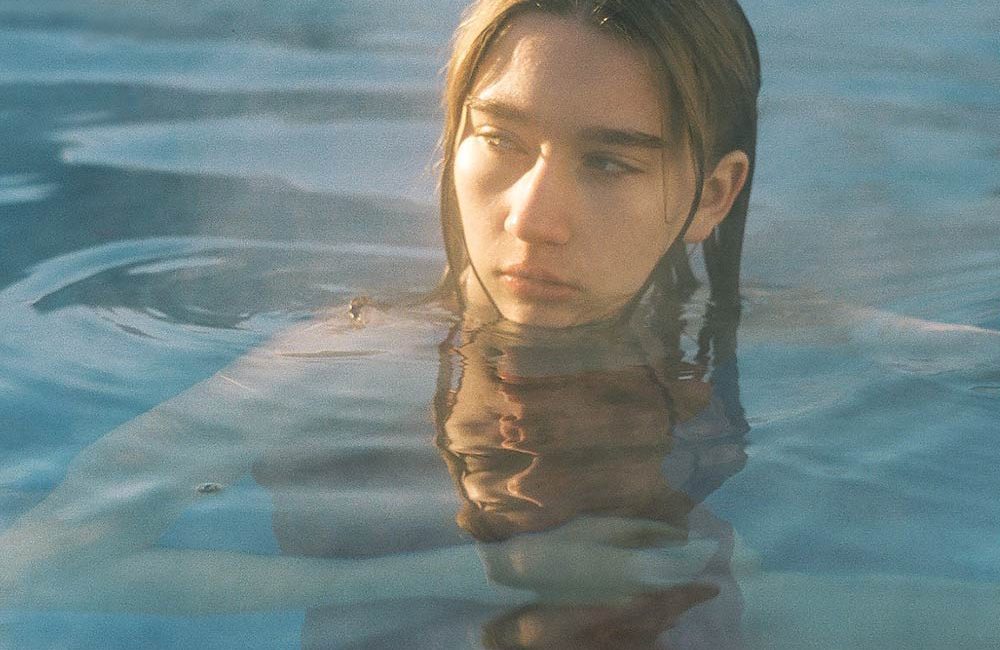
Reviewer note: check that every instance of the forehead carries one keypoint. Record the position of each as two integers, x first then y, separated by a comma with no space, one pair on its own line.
565,73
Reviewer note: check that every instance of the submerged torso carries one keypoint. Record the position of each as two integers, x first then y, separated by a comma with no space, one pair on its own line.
423,435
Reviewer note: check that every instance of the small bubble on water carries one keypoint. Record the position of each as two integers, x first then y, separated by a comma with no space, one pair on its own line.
209,488
356,310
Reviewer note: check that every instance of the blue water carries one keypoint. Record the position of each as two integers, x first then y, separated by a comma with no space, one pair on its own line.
178,183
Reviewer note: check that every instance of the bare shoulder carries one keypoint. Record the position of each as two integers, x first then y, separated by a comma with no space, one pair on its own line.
900,342
293,374
357,329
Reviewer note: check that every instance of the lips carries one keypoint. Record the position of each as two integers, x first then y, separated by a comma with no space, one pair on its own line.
534,283
534,273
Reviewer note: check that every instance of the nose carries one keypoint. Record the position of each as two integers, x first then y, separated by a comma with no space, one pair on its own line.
539,208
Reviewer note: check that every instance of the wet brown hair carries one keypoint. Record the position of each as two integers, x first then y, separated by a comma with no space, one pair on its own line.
705,55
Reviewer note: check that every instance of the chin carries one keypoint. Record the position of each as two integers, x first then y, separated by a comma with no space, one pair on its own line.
542,315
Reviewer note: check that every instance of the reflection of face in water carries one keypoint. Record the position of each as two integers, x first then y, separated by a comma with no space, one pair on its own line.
540,435
540,432
565,201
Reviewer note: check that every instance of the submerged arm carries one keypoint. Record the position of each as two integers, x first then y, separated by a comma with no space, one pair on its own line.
120,493
187,582
94,535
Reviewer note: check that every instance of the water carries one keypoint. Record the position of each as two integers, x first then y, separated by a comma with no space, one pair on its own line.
181,182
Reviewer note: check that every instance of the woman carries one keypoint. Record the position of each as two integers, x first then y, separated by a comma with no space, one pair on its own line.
584,144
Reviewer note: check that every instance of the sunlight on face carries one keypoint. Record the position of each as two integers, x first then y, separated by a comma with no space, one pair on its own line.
559,173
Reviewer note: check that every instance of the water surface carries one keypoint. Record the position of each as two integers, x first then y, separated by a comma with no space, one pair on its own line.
179,183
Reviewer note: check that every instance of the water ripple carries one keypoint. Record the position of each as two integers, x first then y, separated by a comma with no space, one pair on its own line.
51,57
153,255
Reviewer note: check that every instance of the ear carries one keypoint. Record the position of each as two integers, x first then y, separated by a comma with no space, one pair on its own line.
718,193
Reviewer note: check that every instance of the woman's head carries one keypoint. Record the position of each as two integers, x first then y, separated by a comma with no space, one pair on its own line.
583,138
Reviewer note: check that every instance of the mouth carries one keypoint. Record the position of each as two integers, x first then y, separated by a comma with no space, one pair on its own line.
533,283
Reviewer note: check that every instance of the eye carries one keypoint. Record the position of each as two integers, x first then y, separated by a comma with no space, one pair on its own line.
497,140
609,165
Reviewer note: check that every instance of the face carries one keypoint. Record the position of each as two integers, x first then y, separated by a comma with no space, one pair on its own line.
568,189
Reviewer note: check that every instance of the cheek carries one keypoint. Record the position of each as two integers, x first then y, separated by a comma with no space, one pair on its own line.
635,234
465,166
479,177
465,175
476,188
471,204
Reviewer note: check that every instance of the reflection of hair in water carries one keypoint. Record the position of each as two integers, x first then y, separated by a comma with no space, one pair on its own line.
600,471
695,420
506,418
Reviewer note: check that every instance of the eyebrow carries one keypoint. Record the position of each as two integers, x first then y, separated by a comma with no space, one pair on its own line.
597,135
